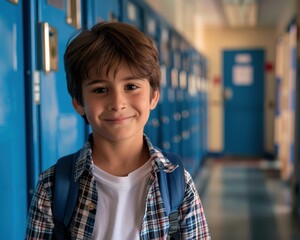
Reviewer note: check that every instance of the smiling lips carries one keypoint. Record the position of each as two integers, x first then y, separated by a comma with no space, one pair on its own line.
117,119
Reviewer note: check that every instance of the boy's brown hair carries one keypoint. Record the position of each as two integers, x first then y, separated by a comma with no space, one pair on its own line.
105,46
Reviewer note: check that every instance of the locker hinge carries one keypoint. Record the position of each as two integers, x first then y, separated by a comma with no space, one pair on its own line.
36,87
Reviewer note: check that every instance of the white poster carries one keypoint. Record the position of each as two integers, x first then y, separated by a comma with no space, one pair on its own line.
242,75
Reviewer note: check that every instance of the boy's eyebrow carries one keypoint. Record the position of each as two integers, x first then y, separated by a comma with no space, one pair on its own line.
91,82
95,81
133,78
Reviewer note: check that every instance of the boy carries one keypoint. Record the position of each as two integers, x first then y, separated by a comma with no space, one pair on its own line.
113,77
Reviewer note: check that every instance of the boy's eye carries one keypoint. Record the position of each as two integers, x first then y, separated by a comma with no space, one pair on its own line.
100,90
131,87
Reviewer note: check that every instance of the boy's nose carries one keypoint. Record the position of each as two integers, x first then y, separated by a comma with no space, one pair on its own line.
117,102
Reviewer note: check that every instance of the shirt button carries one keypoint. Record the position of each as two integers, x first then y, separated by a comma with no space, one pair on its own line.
91,206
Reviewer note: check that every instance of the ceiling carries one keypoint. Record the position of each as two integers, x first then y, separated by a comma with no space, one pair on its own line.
194,18
264,13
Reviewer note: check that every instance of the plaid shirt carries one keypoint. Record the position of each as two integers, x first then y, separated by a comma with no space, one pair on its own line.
155,223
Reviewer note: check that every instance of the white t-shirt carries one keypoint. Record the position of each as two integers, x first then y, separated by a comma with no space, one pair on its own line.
121,204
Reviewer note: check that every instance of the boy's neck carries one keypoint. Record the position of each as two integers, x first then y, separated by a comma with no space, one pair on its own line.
120,158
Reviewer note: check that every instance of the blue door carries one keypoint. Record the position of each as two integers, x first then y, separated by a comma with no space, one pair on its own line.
243,74
62,129
13,201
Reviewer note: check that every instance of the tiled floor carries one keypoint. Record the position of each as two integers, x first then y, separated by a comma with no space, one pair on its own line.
245,199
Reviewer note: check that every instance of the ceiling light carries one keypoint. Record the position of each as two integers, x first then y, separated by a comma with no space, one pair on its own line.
240,12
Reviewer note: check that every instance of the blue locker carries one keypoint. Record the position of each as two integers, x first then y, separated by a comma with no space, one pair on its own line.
13,204
132,12
185,107
175,117
106,10
61,130
204,107
192,90
200,149
194,141
164,105
151,28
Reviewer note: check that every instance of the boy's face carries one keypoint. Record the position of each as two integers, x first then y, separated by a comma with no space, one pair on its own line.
117,107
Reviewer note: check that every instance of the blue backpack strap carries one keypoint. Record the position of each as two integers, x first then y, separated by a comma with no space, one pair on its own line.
65,194
172,188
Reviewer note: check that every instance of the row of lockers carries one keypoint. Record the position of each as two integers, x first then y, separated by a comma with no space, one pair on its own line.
286,69
287,124
37,121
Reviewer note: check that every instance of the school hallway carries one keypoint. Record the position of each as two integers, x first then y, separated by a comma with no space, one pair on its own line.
229,86
246,199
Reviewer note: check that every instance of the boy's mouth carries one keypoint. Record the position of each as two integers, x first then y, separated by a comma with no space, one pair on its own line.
118,119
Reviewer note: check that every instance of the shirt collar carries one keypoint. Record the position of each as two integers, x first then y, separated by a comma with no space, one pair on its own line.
158,160
84,161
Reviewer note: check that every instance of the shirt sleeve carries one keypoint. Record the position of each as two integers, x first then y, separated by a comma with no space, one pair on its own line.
40,221
193,224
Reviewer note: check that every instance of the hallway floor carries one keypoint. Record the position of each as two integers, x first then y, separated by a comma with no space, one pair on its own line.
245,199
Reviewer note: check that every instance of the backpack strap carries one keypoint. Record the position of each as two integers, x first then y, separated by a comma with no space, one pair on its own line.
65,194
172,188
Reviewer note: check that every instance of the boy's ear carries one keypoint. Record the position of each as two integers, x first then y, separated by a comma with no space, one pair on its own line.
78,107
154,99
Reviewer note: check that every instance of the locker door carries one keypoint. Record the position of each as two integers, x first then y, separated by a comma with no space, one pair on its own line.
62,129
13,204
194,141
243,74
107,10
152,127
205,110
185,107
203,106
173,93
164,103
132,13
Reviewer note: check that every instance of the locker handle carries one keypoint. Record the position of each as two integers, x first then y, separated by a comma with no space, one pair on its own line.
14,1
49,47
74,13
